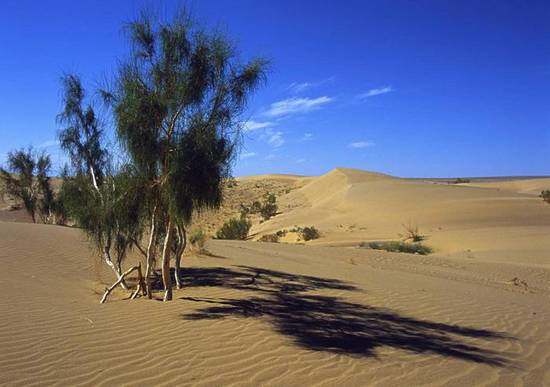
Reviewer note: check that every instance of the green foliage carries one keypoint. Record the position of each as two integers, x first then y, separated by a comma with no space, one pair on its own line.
269,207
27,179
461,181
255,207
234,229
309,233
272,238
412,233
399,246
545,195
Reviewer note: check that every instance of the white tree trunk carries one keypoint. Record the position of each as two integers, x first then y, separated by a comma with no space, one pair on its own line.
150,256
166,280
182,242
117,270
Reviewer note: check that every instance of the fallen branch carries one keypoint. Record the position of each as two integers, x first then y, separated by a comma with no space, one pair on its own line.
121,278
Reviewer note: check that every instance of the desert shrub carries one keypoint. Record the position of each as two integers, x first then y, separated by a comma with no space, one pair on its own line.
309,233
399,246
255,207
269,207
272,238
412,233
545,195
234,229
461,181
198,239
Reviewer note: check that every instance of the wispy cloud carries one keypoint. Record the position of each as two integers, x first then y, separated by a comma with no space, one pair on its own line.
48,144
375,92
296,105
307,137
300,161
270,156
252,125
276,139
300,87
247,155
360,144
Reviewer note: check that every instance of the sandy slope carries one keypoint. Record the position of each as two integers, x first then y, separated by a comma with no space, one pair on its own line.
476,312
350,206
271,314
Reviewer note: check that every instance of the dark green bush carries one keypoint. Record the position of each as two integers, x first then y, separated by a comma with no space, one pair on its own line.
272,238
309,233
398,246
545,195
234,229
198,239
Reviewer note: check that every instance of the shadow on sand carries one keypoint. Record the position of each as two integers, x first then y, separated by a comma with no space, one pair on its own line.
332,324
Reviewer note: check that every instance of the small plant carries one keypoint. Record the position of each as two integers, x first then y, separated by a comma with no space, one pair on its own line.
269,208
198,239
399,247
234,229
272,238
461,181
412,233
545,195
255,207
309,233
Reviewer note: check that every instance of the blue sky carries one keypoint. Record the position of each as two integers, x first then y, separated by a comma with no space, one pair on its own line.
423,88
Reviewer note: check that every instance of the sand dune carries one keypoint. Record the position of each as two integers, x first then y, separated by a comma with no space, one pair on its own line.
325,313
351,206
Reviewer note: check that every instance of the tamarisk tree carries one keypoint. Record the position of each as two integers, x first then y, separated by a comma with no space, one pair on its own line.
102,198
176,104
27,179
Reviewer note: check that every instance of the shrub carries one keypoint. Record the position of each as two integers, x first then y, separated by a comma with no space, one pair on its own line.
234,229
398,246
268,210
198,239
255,207
412,233
272,238
309,233
545,195
461,181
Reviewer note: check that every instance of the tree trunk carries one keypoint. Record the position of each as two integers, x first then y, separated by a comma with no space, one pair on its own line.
166,280
150,256
118,272
120,280
182,242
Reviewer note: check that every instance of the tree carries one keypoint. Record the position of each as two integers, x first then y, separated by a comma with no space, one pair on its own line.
27,179
103,199
176,103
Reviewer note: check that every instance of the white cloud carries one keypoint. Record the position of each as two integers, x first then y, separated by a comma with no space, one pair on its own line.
251,125
48,144
374,92
276,139
360,144
270,156
307,136
296,87
296,105
299,87
247,155
300,161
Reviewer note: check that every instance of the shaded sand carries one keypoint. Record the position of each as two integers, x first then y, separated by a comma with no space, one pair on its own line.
271,314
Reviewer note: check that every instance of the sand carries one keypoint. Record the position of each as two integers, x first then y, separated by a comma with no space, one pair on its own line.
476,312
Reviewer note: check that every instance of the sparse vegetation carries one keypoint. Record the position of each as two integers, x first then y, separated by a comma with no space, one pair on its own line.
234,229
198,239
26,179
412,233
461,180
309,233
269,207
398,246
545,195
272,238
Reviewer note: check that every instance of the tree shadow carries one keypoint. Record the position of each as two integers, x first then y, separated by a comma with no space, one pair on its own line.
332,324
